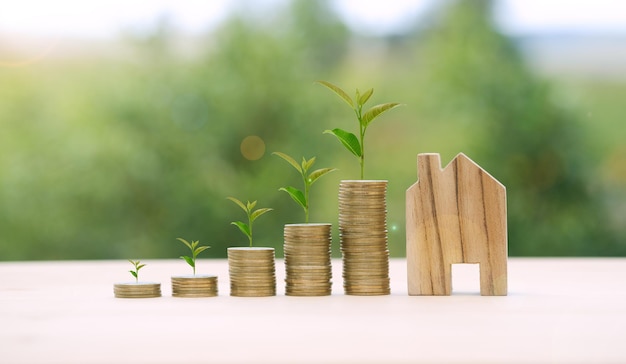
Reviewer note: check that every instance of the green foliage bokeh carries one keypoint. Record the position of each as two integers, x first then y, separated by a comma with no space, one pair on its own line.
116,157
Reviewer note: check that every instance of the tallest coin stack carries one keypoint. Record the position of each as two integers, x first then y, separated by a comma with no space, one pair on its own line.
363,234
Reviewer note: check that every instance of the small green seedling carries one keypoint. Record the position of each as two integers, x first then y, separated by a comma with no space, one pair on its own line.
137,264
195,250
302,197
248,208
356,145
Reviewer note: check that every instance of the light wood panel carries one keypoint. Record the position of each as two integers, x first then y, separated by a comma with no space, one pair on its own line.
455,215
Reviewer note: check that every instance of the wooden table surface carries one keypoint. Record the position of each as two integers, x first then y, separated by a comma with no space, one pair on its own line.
557,311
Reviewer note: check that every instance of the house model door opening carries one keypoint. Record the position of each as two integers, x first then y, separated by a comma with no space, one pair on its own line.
466,278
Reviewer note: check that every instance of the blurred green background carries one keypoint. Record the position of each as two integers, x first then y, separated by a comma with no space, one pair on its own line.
117,151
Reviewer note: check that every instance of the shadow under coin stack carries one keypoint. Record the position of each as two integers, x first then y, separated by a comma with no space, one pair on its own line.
252,272
194,286
137,290
307,260
363,233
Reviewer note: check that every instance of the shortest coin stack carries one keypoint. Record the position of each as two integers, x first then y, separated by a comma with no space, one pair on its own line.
252,272
194,286
137,290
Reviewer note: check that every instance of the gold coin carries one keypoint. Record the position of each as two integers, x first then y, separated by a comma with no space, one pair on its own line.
194,289
252,293
252,268
324,254
308,269
195,295
308,294
364,261
253,280
303,262
251,261
137,290
368,293
312,281
194,284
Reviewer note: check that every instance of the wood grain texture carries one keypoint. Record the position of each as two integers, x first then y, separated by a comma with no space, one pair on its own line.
455,215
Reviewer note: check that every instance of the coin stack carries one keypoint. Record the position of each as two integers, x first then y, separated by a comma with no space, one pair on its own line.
137,290
252,272
307,260
194,286
363,234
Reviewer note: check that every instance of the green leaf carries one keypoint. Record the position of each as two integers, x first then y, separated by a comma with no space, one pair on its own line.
289,160
338,91
259,212
366,96
133,273
348,140
296,195
199,250
140,266
315,175
185,242
250,205
239,203
243,227
189,260
375,111
306,164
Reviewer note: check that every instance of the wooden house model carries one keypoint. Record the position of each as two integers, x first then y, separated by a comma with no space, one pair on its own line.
455,215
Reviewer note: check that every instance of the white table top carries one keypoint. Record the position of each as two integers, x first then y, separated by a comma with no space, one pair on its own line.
557,310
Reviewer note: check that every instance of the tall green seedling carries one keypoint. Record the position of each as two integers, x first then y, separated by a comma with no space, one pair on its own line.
302,196
195,250
356,145
252,214
137,264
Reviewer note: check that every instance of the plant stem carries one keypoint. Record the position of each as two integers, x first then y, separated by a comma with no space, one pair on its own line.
250,225
362,137
362,160
306,197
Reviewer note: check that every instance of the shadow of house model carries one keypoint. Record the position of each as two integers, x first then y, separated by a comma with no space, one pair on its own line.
455,215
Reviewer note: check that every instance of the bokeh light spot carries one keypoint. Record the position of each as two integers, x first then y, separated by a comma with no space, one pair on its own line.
252,147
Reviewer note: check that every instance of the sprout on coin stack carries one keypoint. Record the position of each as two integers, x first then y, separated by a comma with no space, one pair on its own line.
252,269
307,247
362,206
194,285
137,289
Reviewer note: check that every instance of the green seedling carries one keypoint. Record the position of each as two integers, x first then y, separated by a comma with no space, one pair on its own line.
252,214
302,197
137,264
353,143
195,250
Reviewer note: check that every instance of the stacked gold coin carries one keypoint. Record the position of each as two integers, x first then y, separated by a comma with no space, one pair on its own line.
363,233
137,290
307,260
194,286
252,272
